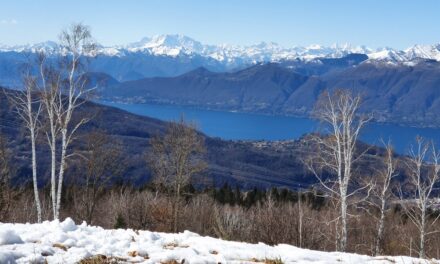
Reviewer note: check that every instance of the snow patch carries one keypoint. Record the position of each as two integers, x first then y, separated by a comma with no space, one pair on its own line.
68,225
8,237
66,242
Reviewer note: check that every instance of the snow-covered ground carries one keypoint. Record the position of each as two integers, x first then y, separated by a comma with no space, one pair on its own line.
66,242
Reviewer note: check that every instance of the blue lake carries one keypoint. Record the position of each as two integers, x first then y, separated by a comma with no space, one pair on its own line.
245,126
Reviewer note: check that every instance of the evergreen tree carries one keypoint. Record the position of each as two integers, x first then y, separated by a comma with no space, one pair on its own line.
120,222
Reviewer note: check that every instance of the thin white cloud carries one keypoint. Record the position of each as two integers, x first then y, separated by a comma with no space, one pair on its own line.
8,22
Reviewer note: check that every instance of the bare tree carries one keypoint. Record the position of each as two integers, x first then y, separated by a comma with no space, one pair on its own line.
175,158
76,43
338,111
50,81
28,108
63,88
103,163
381,194
423,177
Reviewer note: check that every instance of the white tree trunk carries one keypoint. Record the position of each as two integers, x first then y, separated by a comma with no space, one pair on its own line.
53,174
24,106
34,175
343,237
380,229
422,232
61,170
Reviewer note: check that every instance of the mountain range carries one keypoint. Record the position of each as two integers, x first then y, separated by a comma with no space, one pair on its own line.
177,45
172,55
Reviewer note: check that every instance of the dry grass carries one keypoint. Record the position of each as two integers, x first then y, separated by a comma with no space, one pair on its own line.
173,245
203,215
60,246
135,254
102,259
268,261
173,261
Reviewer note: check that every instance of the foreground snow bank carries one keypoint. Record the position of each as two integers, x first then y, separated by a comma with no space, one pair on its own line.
65,242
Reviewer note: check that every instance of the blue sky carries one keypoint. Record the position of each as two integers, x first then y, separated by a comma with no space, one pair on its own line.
375,23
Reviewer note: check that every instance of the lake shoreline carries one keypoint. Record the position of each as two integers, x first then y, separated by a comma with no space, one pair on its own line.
307,116
241,126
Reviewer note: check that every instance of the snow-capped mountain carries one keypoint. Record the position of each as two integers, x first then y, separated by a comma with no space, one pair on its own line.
174,45
431,52
170,45
180,45
172,55
388,54
47,46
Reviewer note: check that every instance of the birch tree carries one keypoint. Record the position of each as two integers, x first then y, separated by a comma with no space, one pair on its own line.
50,82
336,153
381,194
77,43
28,108
423,177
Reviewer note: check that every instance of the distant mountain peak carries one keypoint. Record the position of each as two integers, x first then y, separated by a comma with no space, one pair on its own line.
169,44
268,45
